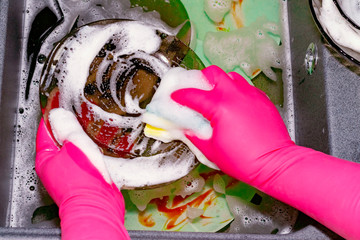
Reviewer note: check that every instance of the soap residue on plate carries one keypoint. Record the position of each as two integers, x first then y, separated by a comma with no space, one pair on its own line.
352,9
101,73
27,191
171,119
337,27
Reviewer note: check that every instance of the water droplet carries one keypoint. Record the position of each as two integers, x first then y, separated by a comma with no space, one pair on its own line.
41,58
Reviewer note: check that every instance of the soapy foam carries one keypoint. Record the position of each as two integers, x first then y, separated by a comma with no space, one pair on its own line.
339,29
164,113
216,9
249,48
185,118
263,218
352,9
153,169
74,62
65,126
24,200
27,192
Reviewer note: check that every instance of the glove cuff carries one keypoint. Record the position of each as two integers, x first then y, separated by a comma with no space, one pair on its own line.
93,215
316,184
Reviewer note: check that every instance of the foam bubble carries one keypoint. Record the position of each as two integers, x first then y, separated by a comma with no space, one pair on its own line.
264,218
189,184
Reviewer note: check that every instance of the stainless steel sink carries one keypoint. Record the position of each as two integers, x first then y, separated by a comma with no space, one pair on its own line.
326,107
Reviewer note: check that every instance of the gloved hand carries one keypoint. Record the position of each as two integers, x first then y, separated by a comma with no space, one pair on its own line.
250,142
246,125
89,207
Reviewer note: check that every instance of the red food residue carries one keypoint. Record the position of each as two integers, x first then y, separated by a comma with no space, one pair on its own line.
106,135
178,199
223,29
173,214
221,26
87,116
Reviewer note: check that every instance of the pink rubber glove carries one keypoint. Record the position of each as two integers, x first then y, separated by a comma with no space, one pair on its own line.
250,142
89,207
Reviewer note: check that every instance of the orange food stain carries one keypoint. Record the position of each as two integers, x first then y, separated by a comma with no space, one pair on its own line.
238,19
206,223
208,203
256,72
173,214
226,220
221,26
146,220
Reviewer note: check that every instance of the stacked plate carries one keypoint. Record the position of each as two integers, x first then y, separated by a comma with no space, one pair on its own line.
339,23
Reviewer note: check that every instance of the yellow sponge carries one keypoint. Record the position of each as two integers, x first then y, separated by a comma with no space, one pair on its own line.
170,132
156,133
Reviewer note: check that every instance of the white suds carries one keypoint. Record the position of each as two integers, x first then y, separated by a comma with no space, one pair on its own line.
136,40
352,9
65,126
164,113
338,27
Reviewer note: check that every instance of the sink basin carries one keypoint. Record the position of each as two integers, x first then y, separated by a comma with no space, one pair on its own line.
322,110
